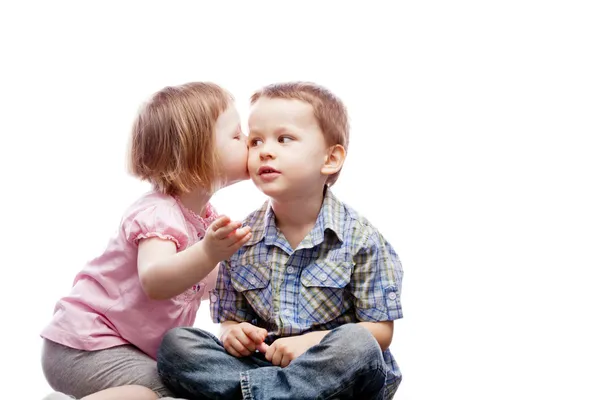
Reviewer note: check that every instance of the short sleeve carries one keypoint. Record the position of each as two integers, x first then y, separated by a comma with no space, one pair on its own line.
227,304
377,280
161,221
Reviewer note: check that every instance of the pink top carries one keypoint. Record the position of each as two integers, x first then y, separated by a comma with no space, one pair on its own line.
107,306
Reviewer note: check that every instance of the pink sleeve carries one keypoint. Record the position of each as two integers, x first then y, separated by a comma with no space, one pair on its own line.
164,222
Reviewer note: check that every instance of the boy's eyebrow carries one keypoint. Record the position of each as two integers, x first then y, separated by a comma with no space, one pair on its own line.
277,131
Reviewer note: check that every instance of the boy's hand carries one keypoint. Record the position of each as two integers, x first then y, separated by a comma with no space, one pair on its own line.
284,350
223,238
244,339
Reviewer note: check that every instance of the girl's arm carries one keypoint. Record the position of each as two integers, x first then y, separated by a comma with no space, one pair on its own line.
165,273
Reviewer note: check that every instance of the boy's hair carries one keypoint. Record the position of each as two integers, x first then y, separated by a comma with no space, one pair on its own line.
172,142
330,112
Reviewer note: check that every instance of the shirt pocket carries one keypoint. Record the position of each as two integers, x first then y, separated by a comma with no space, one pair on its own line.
254,282
322,293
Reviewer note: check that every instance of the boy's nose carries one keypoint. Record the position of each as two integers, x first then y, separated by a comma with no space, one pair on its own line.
266,151
265,155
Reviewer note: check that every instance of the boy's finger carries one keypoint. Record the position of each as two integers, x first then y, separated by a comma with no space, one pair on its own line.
269,353
256,335
263,347
277,357
245,340
285,361
249,330
239,347
232,351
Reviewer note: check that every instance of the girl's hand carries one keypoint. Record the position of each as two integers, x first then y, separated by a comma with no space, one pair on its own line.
223,238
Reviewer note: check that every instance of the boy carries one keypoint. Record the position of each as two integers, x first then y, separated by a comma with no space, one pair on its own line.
307,305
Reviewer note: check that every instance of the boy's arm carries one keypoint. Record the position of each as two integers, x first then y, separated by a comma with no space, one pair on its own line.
382,331
376,286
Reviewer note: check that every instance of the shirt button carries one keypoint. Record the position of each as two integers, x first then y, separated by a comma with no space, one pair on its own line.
303,315
213,298
392,296
287,312
290,270
323,277
253,281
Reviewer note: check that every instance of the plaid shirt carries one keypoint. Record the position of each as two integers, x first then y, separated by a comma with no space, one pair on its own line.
344,271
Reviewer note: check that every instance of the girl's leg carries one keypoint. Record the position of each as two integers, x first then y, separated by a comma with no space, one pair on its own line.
83,373
118,393
124,392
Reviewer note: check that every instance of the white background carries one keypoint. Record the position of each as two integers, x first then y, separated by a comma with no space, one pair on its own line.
474,149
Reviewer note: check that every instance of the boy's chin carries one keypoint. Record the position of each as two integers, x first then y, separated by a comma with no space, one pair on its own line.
270,191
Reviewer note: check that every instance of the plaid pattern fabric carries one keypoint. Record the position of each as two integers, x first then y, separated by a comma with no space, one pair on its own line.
344,271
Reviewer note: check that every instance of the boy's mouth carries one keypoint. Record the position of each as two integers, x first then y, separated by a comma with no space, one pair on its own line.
265,169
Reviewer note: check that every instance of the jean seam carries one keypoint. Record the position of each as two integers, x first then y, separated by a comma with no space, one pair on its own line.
245,385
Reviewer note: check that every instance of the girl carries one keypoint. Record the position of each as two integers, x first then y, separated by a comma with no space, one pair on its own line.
102,341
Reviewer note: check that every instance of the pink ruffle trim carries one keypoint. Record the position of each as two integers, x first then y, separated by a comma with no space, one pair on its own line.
148,235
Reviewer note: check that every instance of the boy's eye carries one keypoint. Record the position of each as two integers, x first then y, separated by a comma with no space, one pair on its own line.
255,142
285,139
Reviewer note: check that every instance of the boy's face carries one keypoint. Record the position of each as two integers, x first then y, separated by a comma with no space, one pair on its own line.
286,148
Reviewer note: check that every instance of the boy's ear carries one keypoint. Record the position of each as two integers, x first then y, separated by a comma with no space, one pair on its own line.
334,159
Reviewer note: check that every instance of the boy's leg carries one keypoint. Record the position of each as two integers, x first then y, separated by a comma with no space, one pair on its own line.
194,364
347,364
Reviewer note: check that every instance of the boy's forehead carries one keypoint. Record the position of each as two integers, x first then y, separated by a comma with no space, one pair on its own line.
277,110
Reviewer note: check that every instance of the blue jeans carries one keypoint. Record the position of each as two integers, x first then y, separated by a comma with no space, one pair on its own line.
347,364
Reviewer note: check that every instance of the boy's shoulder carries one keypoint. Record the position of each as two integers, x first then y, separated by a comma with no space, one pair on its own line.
352,224
349,225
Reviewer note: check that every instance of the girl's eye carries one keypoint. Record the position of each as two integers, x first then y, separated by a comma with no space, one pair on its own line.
285,139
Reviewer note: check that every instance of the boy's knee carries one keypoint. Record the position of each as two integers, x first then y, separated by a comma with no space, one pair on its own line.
173,345
182,343
356,341
172,339
184,337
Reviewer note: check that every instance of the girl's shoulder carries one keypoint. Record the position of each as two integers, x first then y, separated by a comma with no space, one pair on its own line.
155,214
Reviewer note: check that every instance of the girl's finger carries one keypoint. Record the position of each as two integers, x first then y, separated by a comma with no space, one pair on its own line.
220,222
226,230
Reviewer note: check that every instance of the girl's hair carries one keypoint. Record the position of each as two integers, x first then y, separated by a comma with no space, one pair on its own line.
172,142
330,111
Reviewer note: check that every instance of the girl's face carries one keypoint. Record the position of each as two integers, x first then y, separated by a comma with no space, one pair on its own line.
231,147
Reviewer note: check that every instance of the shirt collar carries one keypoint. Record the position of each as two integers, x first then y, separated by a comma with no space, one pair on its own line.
331,217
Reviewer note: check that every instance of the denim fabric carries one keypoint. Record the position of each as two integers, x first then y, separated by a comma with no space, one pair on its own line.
347,364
